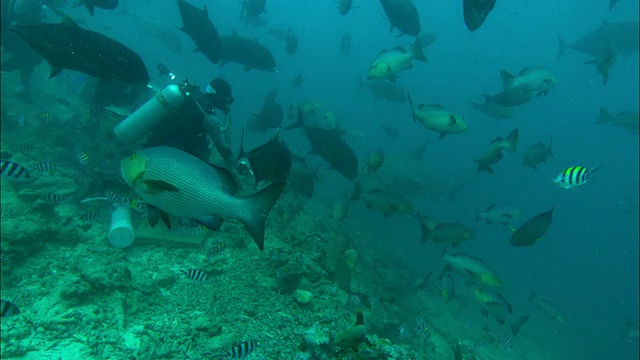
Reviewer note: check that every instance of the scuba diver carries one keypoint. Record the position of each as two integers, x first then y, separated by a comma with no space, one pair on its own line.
203,113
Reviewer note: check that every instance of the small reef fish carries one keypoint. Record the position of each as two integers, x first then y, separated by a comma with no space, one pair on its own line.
215,250
195,274
242,350
14,171
8,309
574,176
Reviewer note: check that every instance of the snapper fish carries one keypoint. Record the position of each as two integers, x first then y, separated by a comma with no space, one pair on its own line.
388,63
180,184
574,176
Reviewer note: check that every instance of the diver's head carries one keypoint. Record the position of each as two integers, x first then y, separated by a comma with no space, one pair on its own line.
220,92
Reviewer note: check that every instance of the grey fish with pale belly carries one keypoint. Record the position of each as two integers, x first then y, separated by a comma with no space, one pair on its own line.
180,184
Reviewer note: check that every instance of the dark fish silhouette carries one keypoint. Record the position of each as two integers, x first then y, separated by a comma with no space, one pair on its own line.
391,131
403,15
346,43
622,37
198,26
247,52
334,150
68,46
270,116
252,8
476,11
269,162
102,4
291,43
532,230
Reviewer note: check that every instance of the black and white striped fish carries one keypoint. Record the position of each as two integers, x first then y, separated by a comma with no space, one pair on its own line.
243,349
56,199
574,176
215,250
44,166
13,171
195,274
506,344
91,216
44,118
62,101
8,309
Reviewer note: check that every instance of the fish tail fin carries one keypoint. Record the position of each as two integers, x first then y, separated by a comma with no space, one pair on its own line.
260,204
425,233
507,79
512,140
604,116
418,52
517,323
413,113
357,192
561,47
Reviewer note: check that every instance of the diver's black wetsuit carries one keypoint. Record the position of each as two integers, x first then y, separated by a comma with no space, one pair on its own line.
203,114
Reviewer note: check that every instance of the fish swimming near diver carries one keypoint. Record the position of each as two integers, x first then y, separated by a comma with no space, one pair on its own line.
532,230
180,184
66,45
475,12
247,52
331,147
198,26
270,162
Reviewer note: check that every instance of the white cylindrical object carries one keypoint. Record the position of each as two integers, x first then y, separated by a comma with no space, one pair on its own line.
158,108
121,232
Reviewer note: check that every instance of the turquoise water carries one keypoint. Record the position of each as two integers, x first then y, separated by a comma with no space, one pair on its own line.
80,297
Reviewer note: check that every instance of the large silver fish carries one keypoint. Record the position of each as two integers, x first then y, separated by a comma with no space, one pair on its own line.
180,184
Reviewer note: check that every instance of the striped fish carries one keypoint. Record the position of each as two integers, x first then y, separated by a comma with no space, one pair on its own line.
83,157
215,250
91,216
506,344
574,176
55,199
195,274
44,118
13,171
7,309
45,95
63,102
21,147
243,349
44,166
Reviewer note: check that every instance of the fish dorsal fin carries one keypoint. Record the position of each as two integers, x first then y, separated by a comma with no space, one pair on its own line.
66,19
